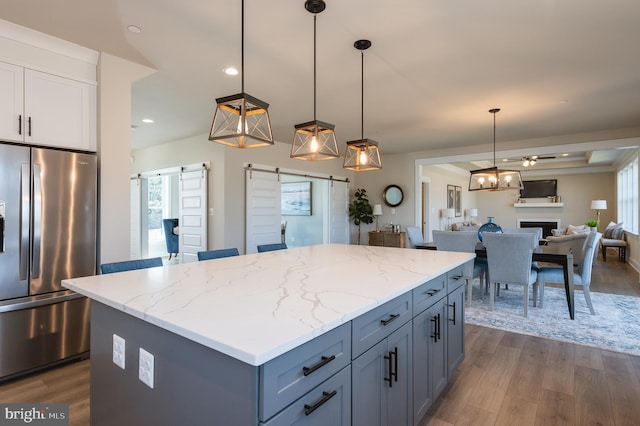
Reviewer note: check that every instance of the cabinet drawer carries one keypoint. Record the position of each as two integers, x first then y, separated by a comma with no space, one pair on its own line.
428,293
455,277
327,404
370,328
291,375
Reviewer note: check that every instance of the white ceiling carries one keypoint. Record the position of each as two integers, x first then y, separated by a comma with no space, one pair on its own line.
554,67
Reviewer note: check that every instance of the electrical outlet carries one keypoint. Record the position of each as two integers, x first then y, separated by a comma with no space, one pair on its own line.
118,351
145,369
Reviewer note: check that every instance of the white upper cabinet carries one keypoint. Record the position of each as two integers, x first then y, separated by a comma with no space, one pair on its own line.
11,102
59,111
48,90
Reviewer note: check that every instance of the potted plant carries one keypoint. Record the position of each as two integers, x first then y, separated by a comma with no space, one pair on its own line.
360,211
593,224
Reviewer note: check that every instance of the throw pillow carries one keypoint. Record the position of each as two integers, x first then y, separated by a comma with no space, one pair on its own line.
614,231
558,232
580,229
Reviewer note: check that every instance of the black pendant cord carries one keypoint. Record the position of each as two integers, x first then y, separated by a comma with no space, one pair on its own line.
362,96
242,51
494,111
314,67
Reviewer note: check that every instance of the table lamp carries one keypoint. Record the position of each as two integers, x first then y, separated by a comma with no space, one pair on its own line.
598,205
377,211
471,213
449,214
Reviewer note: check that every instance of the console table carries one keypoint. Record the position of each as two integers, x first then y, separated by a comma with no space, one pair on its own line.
387,239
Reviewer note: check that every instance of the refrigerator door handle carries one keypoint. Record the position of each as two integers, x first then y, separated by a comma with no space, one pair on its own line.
37,220
24,221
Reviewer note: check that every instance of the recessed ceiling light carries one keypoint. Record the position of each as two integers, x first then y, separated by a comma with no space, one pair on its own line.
564,101
147,120
565,155
231,71
134,29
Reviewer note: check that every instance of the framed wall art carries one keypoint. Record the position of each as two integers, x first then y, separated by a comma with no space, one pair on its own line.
295,198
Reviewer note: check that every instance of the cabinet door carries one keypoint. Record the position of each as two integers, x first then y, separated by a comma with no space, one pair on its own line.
438,347
376,238
429,357
11,102
368,386
59,112
400,403
455,329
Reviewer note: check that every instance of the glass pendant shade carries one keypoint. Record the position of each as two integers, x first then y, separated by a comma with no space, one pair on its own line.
494,179
314,141
241,121
362,155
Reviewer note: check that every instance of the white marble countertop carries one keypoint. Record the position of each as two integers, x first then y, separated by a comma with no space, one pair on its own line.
256,307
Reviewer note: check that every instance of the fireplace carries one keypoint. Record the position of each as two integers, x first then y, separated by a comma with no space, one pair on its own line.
546,224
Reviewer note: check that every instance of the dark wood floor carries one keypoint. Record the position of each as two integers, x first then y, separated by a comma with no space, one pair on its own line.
506,378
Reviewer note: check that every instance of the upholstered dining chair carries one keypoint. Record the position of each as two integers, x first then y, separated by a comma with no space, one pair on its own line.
509,257
130,265
217,254
581,276
462,241
415,236
271,247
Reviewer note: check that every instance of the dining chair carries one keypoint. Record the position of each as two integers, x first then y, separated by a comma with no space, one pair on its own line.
527,230
581,277
130,265
271,247
462,241
509,258
414,234
217,254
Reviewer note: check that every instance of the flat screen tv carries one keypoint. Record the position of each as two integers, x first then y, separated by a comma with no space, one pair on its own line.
539,188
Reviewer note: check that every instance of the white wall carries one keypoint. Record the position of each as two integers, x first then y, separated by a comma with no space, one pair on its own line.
115,77
226,180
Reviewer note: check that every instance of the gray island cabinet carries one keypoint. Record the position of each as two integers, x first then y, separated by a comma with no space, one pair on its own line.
320,335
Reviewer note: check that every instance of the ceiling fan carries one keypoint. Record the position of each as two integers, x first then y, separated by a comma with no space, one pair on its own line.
532,160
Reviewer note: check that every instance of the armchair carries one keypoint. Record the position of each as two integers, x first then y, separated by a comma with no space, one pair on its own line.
574,241
171,238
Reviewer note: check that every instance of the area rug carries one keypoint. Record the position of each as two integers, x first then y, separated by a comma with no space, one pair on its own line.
615,327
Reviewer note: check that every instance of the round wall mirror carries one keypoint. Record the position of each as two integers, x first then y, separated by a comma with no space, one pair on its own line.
393,195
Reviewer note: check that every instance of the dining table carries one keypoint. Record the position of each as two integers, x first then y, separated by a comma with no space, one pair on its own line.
542,253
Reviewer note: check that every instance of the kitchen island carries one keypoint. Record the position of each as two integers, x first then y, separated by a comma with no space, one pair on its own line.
244,340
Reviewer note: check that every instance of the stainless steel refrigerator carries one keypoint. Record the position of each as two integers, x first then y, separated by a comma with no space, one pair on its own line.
48,210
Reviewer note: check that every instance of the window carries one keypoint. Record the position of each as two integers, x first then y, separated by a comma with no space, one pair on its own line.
628,196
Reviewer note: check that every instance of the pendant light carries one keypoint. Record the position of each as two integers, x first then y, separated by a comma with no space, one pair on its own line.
362,154
241,120
314,140
494,179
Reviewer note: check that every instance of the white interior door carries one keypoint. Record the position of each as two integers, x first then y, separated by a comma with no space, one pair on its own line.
192,214
338,212
262,209
136,216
